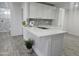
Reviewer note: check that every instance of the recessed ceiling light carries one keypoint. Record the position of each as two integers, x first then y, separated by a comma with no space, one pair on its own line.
76,5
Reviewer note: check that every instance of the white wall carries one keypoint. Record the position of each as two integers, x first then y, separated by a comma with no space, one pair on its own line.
66,19
16,19
61,18
25,7
4,20
70,22
73,22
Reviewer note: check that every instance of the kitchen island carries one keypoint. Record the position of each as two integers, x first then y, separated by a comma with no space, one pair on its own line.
47,42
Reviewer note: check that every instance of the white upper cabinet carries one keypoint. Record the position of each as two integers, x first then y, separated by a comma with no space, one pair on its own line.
42,11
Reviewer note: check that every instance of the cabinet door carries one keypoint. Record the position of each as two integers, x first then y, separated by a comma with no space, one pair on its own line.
52,12
38,10
33,10
49,12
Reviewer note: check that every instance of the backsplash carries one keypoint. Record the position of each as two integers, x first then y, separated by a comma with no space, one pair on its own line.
38,22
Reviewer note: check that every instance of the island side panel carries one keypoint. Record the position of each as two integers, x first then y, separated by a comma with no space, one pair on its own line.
57,46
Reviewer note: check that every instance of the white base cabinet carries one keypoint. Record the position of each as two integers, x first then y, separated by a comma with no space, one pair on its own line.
48,45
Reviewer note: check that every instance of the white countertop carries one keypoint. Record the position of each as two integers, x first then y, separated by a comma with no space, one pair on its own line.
44,32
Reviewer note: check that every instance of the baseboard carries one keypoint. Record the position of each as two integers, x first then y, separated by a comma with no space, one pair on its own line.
73,34
37,52
17,36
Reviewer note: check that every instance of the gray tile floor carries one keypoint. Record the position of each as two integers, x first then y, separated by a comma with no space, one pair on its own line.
71,45
14,46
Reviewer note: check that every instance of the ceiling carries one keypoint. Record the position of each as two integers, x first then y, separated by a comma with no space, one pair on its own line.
57,4
65,5
61,4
